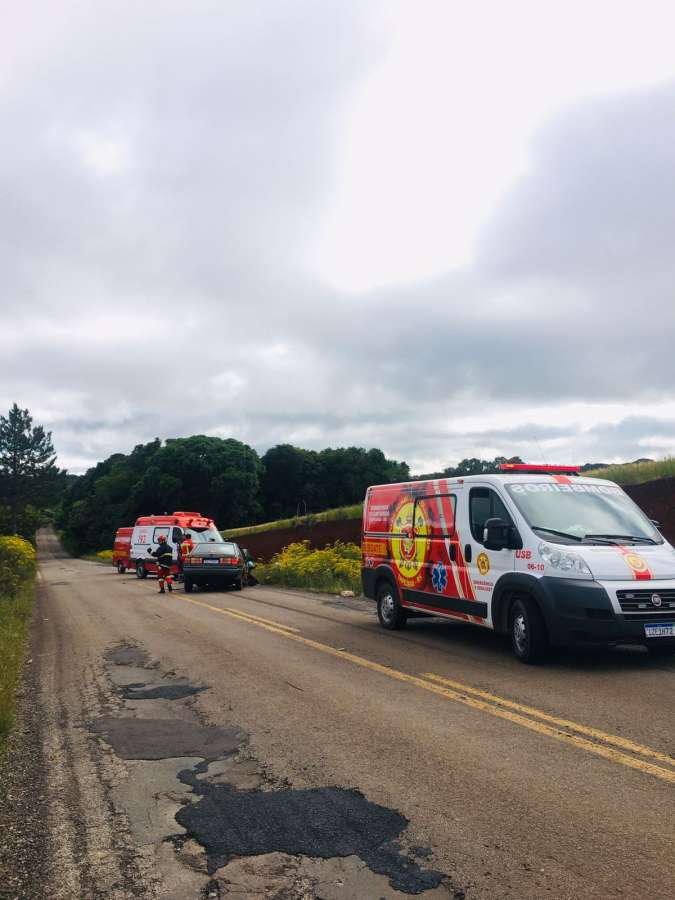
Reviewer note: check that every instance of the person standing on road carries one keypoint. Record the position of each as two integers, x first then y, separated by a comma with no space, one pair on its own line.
184,550
164,557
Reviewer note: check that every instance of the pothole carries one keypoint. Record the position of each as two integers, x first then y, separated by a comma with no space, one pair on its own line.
164,738
254,838
127,655
170,691
319,822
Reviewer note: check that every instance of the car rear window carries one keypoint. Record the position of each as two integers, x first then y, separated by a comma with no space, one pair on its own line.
215,547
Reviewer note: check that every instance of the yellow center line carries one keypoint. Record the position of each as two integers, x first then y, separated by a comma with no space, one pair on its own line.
474,702
245,617
563,723
261,620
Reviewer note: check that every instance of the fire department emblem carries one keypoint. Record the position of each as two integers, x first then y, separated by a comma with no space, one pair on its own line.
483,563
636,562
409,553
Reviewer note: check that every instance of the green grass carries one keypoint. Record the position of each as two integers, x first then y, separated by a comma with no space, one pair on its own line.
636,473
15,617
330,515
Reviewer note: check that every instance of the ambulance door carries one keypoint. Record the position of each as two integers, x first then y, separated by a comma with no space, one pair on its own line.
485,567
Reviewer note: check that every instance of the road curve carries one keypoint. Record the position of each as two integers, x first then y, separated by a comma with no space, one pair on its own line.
272,743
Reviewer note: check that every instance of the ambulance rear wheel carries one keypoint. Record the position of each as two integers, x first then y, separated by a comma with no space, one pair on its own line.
389,610
121,569
141,571
528,630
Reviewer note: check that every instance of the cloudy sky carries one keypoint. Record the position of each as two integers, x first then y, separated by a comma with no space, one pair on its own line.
441,228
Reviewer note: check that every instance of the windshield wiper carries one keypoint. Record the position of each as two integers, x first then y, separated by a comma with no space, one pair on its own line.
617,538
572,537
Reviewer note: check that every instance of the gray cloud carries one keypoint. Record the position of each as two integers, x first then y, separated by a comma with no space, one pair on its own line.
161,181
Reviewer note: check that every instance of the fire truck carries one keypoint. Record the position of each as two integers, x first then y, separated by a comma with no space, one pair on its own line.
130,549
540,553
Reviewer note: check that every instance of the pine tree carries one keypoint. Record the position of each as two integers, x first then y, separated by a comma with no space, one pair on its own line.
27,463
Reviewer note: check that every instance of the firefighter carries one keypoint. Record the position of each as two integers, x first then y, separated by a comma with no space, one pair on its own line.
164,556
184,550
186,546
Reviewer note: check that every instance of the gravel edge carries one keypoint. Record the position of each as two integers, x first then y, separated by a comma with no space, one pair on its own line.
24,839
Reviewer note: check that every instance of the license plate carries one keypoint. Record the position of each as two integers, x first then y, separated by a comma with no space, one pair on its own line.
664,629
210,562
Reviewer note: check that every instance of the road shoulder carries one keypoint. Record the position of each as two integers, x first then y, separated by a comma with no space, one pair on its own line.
24,838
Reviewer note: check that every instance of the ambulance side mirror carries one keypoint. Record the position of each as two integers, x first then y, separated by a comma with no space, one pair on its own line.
498,535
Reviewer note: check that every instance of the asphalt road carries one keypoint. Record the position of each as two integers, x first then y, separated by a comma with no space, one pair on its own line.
272,743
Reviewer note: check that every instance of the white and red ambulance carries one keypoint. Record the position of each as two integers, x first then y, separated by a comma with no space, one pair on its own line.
538,552
145,536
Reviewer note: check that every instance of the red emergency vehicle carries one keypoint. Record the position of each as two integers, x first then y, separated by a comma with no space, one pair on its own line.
544,553
131,546
121,549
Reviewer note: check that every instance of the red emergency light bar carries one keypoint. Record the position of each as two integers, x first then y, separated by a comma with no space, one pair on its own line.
525,469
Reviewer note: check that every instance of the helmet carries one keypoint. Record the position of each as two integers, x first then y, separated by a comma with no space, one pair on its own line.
161,538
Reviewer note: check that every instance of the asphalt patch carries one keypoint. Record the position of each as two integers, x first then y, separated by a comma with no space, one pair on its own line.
165,738
127,655
321,822
160,691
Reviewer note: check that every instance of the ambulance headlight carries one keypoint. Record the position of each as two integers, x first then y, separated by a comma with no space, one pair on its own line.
569,563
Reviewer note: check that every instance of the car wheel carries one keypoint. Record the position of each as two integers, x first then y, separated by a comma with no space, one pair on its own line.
244,578
121,569
528,631
187,584
141,571
239,583
389,610
667,648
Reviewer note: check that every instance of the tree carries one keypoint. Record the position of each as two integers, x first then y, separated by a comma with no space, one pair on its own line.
290,481
28,474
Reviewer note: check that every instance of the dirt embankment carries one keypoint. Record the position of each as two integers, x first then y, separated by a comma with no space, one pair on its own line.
266,544
657,500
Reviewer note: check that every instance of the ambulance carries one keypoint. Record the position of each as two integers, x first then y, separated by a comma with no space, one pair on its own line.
122,549
540,553
146,532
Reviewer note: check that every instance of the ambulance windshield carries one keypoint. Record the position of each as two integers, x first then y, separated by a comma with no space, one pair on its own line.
592,513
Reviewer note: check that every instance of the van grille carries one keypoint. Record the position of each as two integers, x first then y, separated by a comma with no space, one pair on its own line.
638,607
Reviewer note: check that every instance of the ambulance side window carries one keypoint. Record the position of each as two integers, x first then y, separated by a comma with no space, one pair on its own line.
176,535
439,514
484,504
162,529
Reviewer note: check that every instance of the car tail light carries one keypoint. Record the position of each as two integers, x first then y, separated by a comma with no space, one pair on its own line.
229,560
194,560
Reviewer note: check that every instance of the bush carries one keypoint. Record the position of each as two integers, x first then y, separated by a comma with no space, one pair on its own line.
335,568
17,564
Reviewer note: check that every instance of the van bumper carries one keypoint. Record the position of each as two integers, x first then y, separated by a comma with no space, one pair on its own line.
581,612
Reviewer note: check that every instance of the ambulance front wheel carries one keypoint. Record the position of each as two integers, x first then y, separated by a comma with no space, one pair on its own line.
528,630
141,571
121,568
389,610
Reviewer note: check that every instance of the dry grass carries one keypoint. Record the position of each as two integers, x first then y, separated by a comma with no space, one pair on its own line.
330,515
636,473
